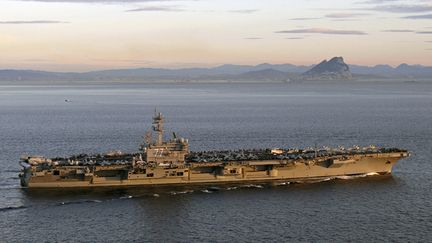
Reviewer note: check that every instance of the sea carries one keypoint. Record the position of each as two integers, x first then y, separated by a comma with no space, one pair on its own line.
65,119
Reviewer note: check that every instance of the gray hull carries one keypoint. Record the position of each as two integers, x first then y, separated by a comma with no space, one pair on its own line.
216,172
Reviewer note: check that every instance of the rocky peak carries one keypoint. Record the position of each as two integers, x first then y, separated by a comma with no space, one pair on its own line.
335,68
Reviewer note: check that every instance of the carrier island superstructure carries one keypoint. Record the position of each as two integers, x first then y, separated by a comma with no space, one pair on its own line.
171,162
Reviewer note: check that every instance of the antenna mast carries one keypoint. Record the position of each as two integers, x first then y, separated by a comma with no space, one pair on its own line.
158,121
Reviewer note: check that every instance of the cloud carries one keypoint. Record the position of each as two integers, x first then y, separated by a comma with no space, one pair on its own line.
343,20
34,22
424,32
398,30
425,16
244,11
403,8
253,38
157,9
344,15
294,38
301,19
93,1
323,31
377,1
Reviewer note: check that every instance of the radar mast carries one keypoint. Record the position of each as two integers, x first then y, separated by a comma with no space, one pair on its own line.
158,121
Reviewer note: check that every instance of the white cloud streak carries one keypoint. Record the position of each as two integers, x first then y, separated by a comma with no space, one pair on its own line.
322,31
33,22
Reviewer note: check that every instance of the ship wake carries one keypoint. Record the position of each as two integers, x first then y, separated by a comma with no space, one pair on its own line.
10,208
349,177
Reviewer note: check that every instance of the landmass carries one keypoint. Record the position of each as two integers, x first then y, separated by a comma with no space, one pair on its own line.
335,69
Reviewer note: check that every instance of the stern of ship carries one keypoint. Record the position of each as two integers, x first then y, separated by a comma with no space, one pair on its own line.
25,174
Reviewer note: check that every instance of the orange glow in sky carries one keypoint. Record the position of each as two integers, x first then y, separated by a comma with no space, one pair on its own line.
89,35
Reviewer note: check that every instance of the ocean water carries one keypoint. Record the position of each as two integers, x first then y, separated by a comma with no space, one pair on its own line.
98,118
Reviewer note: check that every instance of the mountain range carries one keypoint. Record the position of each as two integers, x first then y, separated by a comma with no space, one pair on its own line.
334,69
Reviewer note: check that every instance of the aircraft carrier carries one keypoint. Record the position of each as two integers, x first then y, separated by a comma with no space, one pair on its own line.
160,162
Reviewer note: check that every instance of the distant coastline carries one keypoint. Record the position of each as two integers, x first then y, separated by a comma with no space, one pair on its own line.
334,69
205,82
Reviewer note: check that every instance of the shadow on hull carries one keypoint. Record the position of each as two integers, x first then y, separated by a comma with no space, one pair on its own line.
161,190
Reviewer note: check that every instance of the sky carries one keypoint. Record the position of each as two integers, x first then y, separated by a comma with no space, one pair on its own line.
79,35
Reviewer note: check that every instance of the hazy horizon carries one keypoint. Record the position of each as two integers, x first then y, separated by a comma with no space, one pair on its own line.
71,35
198,66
